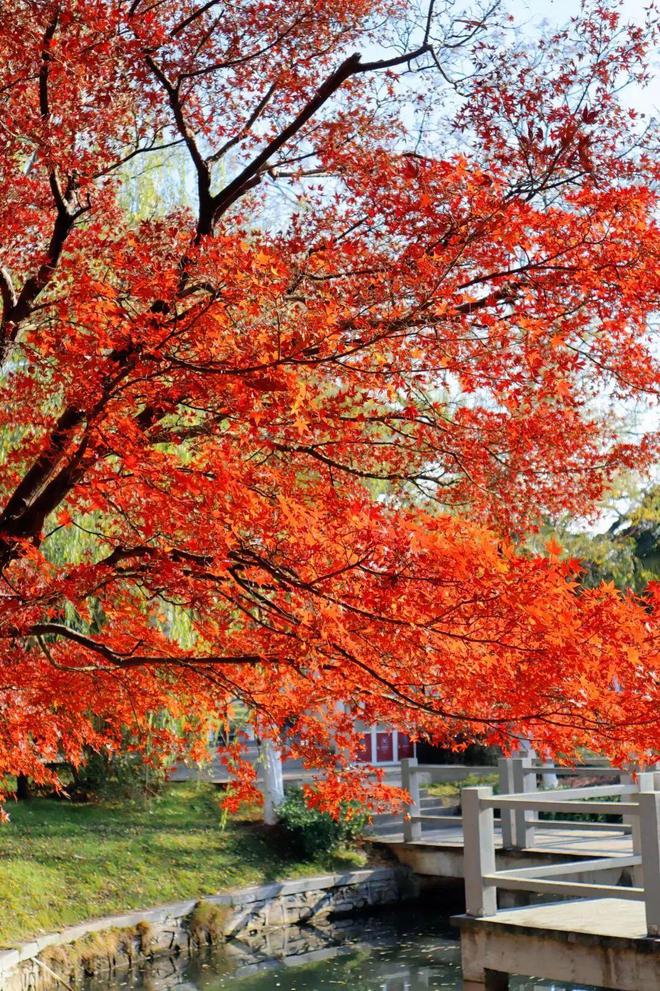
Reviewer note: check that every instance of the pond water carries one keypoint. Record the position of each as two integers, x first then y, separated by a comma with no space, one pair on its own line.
404,950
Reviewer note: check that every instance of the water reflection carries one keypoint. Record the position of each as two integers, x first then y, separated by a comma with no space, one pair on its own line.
398,951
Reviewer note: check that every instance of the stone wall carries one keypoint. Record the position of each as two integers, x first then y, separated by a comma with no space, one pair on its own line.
105,946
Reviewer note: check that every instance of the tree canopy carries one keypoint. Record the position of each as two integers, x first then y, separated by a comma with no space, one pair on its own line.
290,463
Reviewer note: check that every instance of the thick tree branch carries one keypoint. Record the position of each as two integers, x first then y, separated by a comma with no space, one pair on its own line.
33,481
351,66
132,660
205,217
144,551
17,308
182,25
211,207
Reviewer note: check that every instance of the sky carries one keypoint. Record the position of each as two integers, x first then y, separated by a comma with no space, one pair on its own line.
557,12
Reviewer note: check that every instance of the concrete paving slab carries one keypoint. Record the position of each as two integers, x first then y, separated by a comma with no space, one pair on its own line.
612,917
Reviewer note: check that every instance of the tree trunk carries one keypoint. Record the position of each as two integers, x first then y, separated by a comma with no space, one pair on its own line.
273,782
22,787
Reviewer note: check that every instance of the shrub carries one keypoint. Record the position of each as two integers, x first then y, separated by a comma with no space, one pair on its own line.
312,832
123,774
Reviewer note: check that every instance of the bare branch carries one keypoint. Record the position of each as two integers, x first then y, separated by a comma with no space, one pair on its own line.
193,17
137,151
252,119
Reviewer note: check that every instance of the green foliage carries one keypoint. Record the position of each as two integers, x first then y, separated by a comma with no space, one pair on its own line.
123,774
450,791
312,832
131,772
157,184
627,554
583,816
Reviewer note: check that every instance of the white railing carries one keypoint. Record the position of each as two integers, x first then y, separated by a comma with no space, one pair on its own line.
411,772
638,801
518,775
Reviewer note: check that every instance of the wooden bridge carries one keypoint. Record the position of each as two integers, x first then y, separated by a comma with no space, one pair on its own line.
595,885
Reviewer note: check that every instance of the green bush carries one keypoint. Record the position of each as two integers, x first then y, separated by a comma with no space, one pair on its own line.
123,774
583,816
313,832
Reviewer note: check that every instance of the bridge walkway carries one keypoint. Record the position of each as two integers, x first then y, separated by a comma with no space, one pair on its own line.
555,841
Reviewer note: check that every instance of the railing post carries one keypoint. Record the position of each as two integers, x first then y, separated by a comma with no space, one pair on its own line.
505,768
522,783
478,852
649,819
628,820
412,831
644,784
549,779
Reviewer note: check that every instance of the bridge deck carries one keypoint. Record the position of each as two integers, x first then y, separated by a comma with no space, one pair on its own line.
573,841
614,918
601,942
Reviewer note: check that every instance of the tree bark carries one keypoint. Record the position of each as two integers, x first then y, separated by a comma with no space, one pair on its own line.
273,782
22,787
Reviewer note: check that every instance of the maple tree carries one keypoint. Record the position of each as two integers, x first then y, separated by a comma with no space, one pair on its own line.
315,443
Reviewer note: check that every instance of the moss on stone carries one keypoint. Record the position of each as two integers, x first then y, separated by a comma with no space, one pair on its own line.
207,922
95,952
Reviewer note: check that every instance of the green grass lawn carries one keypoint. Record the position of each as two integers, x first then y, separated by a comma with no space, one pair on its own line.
62,863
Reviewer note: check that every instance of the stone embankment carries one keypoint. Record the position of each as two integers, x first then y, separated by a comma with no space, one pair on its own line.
104,947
